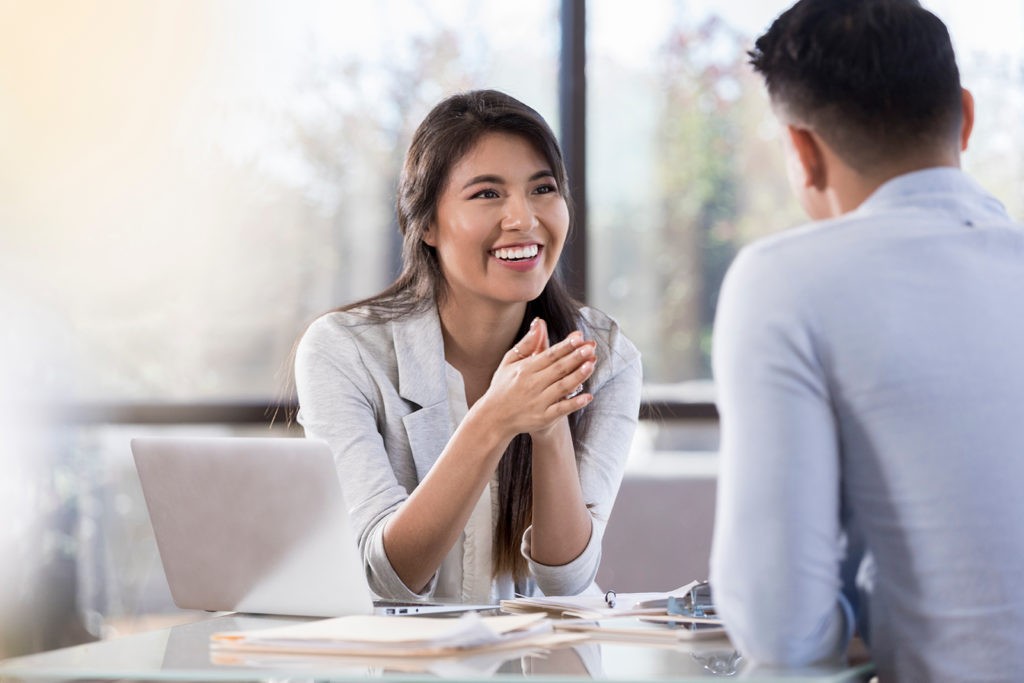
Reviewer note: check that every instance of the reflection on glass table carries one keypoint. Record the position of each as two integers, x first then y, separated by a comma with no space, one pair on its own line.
183,653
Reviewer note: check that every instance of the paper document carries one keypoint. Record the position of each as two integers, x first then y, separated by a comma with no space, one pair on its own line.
397,636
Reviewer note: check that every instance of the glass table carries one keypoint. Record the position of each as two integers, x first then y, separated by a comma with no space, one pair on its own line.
182,653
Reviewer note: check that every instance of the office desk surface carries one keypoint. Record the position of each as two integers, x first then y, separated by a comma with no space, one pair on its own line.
183,653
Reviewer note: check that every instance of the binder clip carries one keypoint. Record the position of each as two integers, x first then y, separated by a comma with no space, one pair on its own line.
696,603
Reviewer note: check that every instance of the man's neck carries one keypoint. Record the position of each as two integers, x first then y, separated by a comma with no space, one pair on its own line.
849,188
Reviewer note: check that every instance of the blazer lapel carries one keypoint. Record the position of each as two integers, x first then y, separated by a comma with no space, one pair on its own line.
419,352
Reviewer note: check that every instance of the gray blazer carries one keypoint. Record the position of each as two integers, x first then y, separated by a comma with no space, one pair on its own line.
377,394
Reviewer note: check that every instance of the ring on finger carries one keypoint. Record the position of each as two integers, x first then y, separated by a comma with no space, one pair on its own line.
575,392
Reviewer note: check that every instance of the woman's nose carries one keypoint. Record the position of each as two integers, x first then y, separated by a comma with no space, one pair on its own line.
519,214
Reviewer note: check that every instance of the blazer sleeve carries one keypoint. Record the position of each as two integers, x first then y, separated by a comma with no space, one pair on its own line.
340,402
610,422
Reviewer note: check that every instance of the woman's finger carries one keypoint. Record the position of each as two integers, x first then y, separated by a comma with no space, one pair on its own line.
567,406
543,342
562,366
570,383
562,349
527,345
573,383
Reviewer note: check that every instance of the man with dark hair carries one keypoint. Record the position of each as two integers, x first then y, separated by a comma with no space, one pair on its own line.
870,369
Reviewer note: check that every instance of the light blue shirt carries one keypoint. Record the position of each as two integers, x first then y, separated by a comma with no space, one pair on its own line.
870,372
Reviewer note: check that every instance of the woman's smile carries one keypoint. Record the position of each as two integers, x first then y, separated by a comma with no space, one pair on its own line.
518,257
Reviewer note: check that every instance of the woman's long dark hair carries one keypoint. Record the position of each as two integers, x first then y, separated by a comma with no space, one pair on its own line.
446,135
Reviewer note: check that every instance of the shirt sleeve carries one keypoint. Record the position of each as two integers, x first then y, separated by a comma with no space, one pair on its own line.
777,547
337,400
608,435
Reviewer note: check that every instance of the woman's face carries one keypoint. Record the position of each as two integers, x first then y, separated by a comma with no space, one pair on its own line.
501,223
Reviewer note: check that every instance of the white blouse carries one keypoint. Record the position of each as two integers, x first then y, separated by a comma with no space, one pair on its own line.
466,570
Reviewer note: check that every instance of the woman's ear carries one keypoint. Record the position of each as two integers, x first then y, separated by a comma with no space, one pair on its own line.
430,235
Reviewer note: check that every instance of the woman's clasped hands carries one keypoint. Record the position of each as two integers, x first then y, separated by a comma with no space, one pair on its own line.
538,384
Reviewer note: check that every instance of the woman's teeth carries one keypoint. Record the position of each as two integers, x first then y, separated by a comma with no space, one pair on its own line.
516,253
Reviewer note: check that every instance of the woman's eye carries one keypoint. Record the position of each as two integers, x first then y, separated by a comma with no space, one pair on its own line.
545,189
485,194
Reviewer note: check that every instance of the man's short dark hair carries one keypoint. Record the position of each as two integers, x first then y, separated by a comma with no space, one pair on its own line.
876,79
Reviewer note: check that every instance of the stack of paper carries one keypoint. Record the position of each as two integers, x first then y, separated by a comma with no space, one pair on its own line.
471,664
388,636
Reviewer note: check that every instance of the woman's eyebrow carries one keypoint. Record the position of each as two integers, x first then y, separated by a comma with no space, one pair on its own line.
495,179
498,180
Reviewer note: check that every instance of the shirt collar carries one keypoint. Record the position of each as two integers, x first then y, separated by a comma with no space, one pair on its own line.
942,188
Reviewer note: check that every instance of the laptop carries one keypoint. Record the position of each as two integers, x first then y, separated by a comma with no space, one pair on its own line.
258,525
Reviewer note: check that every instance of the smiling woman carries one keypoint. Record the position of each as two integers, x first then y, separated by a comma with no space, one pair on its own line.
501,223
480,418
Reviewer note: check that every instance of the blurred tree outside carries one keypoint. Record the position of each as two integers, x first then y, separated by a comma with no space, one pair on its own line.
351,132
698,137
718,183
717,169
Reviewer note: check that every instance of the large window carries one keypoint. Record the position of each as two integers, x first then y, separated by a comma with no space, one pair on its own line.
685,163
184,185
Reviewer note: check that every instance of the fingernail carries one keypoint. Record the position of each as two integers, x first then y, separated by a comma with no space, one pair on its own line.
576,338
534,322
587,351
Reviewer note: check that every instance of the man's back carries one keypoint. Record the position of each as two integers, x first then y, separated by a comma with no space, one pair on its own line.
870,368
905,321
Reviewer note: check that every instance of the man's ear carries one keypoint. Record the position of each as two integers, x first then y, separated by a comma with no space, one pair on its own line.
809,155
967,124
